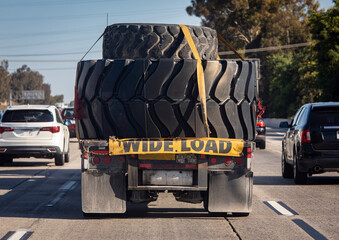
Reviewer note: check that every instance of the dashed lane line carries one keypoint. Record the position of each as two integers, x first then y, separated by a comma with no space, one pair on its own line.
62,192
20,234
282,209
279,208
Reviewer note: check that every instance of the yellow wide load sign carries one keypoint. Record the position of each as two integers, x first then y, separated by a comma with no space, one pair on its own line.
212,146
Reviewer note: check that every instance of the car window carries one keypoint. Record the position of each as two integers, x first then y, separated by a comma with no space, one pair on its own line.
325,117
58,117
296,117
302,116
31,115
67,113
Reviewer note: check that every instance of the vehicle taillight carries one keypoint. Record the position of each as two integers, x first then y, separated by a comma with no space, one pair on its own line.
6,129
213,160
238,160
107,159
306,136
228,160
96,160
51,129
261,124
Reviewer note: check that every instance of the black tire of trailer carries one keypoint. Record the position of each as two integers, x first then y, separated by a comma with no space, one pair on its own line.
155,41
143,98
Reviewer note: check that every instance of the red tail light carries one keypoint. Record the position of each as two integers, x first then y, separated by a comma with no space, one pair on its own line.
6,129
228,160
145,165
249,152
96,160
51,129
306,136
107,159
260,124
213,160
238,160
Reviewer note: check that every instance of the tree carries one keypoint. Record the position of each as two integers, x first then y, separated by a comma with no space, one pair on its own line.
325,32
249,24
295,82
25,79
4,81
47,89
57,98
256,23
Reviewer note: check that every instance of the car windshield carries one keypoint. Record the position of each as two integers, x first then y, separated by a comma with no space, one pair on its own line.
67,113
326,117
27,116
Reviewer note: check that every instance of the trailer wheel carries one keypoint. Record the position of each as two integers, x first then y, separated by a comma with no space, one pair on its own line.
155,41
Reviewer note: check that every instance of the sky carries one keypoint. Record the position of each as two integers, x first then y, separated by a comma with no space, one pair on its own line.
51,36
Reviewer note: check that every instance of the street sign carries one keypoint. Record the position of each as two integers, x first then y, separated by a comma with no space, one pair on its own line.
33,95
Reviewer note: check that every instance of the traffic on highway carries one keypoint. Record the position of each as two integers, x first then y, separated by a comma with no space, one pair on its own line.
39,200
183,120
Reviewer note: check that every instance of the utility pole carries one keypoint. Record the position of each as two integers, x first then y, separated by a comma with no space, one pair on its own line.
10,98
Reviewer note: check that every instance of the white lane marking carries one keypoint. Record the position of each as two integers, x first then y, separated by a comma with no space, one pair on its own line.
67,186
56,199
280,208
63,189
18,234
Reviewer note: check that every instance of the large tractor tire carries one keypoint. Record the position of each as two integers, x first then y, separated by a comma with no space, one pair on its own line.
147,98
155,41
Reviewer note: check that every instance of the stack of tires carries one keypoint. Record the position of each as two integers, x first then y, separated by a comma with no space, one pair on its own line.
146,86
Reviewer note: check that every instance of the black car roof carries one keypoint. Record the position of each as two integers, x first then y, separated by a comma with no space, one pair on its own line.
324,104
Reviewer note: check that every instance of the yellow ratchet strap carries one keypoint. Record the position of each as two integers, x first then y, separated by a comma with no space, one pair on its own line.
200,76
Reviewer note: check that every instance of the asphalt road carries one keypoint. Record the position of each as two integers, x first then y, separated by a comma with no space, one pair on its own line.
39,200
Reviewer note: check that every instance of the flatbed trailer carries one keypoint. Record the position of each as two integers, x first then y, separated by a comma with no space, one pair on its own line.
210,170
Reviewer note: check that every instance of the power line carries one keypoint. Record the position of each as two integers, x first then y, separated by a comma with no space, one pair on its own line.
273,48
266,49
47,69
44,54
42,61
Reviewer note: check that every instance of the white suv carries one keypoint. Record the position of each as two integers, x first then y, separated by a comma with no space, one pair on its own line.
33,131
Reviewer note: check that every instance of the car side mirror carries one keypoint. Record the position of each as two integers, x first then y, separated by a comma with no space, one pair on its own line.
67,122
284,125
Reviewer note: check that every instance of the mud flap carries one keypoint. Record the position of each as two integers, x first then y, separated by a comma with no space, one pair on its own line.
230,192
103,193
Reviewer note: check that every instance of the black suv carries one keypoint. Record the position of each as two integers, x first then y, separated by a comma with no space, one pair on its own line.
311,143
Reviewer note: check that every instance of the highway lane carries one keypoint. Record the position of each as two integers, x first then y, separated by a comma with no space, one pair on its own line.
39,200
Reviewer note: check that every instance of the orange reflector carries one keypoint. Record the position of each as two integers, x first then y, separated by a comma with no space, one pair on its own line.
85,155
96,160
